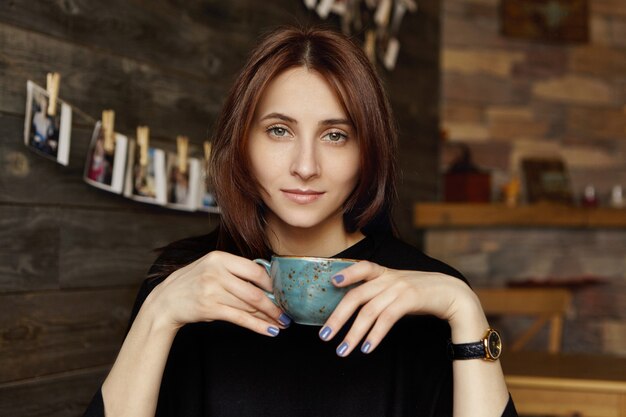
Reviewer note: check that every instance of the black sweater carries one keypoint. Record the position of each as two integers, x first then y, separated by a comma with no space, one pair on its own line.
219,369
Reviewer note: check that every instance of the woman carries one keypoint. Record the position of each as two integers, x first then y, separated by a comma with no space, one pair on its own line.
303,164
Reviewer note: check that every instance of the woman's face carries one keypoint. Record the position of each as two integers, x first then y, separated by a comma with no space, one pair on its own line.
303,151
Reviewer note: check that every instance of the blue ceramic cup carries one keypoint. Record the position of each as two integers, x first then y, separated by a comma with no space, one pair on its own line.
303,286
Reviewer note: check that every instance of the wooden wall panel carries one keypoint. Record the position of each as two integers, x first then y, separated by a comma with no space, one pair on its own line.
55,331
92,79
116,248
29,250
51,247
61,395
206,39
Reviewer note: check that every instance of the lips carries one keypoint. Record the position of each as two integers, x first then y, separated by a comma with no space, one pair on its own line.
302,196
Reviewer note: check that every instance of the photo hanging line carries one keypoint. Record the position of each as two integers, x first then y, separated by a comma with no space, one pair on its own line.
115,163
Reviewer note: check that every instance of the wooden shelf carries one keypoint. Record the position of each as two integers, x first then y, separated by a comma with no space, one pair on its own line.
446,215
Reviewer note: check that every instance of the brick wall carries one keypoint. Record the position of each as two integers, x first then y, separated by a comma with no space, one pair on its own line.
509,97
506,97
497,257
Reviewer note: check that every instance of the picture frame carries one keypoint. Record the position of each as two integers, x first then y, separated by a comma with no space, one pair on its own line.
182,188
546,179
146,183
206,197
106,170
48,136
559,21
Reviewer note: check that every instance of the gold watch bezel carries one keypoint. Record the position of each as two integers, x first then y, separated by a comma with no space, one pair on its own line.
489,356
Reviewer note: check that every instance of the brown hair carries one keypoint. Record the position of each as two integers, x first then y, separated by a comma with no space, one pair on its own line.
346,68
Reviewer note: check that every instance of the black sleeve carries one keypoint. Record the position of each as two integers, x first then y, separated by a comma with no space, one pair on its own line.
96,406
509,410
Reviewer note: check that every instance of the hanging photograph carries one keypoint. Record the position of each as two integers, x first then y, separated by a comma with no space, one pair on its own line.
47,130
105,168
182,183
206,200
145,179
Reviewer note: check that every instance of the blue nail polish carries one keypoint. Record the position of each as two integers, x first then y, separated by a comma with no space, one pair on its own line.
338,279
325,333
273,330
342,348
366,347
284,319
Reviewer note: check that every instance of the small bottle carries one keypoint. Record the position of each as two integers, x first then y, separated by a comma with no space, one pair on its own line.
589,199
617,197
512,192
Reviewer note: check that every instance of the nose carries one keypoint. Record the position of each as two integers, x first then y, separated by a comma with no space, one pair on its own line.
305,162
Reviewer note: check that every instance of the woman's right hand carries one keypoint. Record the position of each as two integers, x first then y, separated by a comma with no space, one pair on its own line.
218,286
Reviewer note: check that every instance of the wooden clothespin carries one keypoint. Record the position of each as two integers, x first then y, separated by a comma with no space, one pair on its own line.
108,128
53,80
410,4
370,45
391,53
383,12
323,8
182,144
400,9
143,140
207,150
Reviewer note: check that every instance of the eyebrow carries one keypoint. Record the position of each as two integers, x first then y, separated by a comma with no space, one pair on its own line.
326,122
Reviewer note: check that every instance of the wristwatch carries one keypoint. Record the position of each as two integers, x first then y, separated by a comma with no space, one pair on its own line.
488,348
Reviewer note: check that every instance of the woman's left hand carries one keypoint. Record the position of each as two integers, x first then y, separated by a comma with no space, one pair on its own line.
385,296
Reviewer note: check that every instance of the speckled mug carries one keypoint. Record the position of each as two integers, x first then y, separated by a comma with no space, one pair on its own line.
303,286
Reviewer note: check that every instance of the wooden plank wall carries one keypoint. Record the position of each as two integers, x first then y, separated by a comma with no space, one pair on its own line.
72,256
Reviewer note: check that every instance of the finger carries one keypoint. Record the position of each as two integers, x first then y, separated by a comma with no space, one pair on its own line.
360,271
243,268
365,320
261,315
244,319
386,320
353,299
235,302
255,298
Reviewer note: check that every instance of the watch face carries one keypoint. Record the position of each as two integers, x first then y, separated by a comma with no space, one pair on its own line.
494,344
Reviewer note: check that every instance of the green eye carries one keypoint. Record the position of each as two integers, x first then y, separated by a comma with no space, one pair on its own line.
336,136
278,131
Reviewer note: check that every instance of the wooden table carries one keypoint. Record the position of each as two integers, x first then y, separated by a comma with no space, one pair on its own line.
566,384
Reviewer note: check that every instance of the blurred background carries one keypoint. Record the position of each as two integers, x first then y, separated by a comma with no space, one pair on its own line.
478,87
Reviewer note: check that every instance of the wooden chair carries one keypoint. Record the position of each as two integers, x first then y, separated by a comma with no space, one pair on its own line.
548,305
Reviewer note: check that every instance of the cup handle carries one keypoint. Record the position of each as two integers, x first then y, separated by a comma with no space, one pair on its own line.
268,268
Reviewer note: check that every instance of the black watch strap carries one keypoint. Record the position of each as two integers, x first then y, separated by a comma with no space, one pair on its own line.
474,350
488,348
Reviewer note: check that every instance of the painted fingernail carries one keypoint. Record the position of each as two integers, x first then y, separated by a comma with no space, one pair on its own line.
366,347
338,279
342,348
284,319
325,333
273,330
